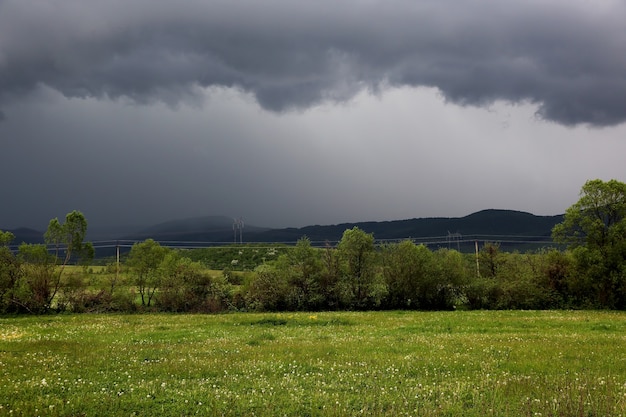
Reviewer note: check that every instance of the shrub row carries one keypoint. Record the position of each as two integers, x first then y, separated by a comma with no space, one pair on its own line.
355,275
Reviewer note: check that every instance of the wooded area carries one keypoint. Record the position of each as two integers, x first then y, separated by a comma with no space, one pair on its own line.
357,274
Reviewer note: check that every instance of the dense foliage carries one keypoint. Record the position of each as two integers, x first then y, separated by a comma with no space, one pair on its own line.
354,275
595,229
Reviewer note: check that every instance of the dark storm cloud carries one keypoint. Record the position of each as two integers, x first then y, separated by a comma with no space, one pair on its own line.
568,57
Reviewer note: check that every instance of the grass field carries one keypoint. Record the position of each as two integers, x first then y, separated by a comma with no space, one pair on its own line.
554,363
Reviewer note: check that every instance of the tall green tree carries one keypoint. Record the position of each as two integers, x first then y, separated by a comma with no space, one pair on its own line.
330,277
491,260
68,242
595,229
39,282
303,269
10,273
405,267
69,238
6,238
361,286
453,277
145,262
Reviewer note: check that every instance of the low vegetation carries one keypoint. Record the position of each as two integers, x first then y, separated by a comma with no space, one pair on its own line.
398,363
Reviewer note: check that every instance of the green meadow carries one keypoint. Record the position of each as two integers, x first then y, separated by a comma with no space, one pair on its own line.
463,363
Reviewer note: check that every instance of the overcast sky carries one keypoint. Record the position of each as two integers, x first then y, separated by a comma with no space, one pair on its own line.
294,113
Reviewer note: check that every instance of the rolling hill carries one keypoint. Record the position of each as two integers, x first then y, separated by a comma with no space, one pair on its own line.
197,229
513,229
25,235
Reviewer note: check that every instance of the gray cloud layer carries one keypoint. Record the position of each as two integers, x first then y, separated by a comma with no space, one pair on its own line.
569,57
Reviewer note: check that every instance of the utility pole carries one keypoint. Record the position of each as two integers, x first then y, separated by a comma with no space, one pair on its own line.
117,265
455,237
477,264
238,228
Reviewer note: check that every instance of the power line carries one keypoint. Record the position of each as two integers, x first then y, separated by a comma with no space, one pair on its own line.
442,240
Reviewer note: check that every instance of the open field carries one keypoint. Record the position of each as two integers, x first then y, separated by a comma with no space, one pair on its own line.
478,363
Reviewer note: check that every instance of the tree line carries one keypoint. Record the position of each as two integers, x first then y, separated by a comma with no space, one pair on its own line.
354,275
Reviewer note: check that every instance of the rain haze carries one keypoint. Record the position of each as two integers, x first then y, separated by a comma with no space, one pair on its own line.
300,113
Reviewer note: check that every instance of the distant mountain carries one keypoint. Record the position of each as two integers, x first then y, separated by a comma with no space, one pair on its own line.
197,229
99,233
25,235
487,222
514,229
487,225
